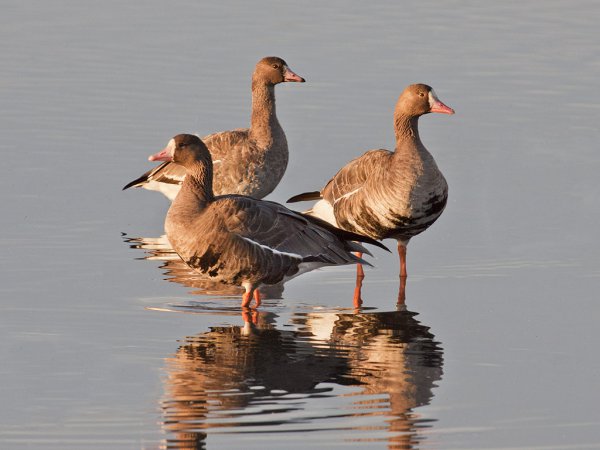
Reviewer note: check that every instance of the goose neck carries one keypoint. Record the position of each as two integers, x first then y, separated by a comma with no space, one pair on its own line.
263,123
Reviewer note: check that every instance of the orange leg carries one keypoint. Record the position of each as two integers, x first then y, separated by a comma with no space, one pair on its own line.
402,291
403,275
257,297
357,299
359,268
360,275
402,254
246,299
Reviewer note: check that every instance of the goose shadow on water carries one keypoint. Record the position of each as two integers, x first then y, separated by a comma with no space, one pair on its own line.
258,377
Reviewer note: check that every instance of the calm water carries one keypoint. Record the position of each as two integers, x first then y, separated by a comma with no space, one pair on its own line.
497,345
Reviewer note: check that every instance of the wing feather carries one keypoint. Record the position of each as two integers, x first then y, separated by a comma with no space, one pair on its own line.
274,226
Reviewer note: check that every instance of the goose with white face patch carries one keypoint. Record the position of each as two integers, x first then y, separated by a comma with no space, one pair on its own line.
243,241
248,161
384,194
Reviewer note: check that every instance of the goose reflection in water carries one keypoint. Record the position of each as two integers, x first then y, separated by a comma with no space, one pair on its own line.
257,377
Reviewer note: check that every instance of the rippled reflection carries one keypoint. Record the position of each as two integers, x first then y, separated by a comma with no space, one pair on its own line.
159,249
335,370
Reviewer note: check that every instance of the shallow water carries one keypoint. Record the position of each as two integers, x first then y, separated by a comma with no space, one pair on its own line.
496,346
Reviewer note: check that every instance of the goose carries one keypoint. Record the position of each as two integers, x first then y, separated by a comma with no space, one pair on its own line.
248,161
384,194
240,240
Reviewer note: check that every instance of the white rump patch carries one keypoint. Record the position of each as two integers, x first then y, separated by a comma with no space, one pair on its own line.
323,210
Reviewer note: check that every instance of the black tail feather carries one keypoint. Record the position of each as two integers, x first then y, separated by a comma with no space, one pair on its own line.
306,196
137,181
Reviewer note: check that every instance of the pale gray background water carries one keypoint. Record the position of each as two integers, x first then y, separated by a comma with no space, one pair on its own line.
507,280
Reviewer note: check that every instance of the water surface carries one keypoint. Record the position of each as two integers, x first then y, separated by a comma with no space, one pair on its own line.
108,346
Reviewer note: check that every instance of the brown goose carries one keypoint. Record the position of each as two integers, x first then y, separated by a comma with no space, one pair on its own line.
384,194
244,241
248,161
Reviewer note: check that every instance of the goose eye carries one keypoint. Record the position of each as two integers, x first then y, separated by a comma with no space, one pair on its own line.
275,66
421,94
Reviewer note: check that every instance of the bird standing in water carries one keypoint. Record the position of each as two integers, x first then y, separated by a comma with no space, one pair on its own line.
384,194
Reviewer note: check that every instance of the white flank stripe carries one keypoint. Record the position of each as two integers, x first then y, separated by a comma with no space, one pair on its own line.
347,195
277,252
